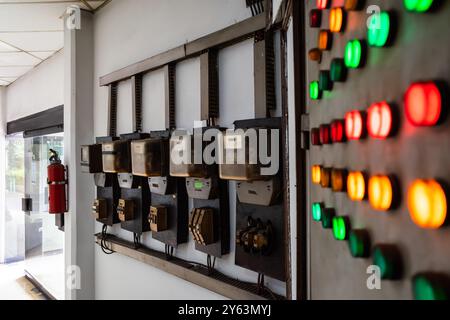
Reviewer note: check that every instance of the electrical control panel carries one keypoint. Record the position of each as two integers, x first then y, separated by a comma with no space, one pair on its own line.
104,207
168,215
184,160
91,158
377,84
135,199
202,184
150,157
260,235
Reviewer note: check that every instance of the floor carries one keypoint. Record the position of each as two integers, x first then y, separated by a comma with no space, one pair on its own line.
14,285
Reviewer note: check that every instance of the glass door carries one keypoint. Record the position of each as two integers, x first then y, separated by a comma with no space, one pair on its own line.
44,241
14,192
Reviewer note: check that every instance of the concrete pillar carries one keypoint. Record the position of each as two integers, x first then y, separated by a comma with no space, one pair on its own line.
2,172
79,130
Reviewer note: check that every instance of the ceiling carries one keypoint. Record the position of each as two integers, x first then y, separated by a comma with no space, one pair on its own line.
31,31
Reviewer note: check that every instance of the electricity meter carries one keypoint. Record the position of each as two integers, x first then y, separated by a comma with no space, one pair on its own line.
100,209
201,225
201,188
91,158
240,157
125,210
150,157
183,160
158,218
263,193
116,156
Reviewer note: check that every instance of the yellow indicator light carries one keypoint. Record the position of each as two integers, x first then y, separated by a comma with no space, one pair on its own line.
427,204
315,174
356,186
380,192
336,19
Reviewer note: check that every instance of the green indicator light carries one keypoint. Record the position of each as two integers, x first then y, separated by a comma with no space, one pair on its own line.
324,81
314,91
337,70
428,288
317,209
198,185
358,241
387,258
418,5
378,31
340,228
353,54
327,218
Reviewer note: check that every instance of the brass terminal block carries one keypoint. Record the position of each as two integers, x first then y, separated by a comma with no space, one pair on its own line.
158,218
125,210
100,209
201,225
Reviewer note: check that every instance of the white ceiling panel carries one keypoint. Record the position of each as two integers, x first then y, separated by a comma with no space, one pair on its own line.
18,59
32,31
44,55
3,82
35,41
6,48
13,72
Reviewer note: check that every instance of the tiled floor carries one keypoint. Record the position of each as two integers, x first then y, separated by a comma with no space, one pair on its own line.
14,285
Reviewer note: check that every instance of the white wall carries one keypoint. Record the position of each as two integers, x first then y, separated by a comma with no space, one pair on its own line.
130,31
40,89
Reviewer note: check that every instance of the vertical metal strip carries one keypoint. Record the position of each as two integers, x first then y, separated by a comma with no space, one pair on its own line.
136,84
209,85
264,74
112,110
169,80
299,27
285,159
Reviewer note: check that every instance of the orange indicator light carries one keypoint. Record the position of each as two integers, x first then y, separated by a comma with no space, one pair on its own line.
427,204
380,192
356,186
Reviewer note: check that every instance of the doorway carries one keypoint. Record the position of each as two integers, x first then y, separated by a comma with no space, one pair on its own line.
32,235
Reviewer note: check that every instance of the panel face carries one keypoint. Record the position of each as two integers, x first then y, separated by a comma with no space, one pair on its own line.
417,50
141,198
177,214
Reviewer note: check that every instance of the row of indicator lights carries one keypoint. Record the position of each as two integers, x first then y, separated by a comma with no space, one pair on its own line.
423,107
379,126
349,5
426,199
386,256
377,36
378,32
355,51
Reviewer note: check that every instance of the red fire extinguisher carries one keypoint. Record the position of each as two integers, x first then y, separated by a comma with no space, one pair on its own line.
56,179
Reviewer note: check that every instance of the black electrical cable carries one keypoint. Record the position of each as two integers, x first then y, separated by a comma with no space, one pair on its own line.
103,241
210,264
136,240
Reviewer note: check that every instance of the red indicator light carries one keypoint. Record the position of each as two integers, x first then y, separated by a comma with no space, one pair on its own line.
354,125
325,134
322,4
379,120
315,137
315,18
337,131
423,104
